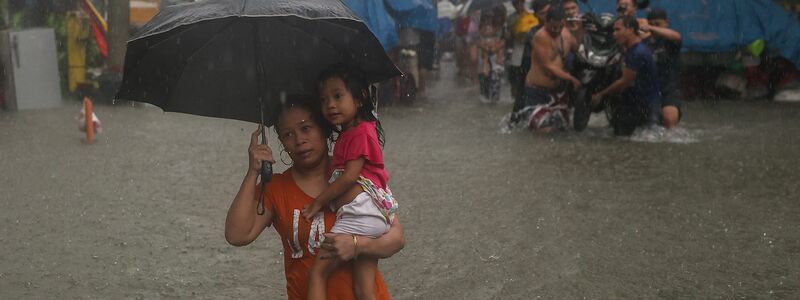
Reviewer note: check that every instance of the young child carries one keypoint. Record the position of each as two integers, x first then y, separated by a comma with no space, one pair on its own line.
365,205
490,64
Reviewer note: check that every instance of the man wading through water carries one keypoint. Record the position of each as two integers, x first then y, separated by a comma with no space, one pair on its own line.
546,83
665,43
540,8
640,104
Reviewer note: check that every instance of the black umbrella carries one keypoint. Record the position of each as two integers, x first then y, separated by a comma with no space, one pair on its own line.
235,58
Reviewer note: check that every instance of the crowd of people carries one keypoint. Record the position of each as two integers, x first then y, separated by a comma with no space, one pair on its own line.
539,64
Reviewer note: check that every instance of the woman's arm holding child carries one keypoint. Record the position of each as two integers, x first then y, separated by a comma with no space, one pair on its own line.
343,247
342,184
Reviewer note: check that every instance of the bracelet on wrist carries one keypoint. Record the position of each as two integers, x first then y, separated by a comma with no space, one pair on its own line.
355,247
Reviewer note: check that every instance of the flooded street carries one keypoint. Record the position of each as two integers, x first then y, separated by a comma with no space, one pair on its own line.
140,213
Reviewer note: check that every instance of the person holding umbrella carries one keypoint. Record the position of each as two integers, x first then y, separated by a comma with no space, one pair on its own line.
303,133
238,59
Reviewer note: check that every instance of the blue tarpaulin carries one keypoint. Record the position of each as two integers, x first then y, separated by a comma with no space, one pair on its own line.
378,20
419,14
726,25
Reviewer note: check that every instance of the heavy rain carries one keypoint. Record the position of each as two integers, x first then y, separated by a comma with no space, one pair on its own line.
537,149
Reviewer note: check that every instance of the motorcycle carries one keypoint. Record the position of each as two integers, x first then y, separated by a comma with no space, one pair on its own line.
598,63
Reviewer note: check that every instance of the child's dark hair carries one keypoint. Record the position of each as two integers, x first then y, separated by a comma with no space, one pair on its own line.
356,83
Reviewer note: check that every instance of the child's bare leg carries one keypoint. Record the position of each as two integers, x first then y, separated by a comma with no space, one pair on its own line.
364,269
318,275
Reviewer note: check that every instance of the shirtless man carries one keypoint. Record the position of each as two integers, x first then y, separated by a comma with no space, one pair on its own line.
545,83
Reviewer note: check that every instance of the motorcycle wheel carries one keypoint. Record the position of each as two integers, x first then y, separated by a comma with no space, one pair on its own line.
582,110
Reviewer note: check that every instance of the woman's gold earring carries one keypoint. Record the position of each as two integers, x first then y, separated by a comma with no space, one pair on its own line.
283,161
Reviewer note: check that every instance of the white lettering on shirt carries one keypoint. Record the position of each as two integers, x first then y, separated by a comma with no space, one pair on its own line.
315,235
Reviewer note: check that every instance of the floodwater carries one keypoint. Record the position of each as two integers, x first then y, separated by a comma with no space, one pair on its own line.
709,212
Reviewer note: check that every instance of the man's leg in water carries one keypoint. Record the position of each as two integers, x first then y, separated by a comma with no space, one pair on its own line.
318,275
630,114
364,269
671,104
671,116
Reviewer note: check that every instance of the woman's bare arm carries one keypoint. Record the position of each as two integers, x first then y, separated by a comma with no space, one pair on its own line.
243,224
342,246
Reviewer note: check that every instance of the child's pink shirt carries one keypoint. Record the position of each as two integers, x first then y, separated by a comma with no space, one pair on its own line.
362,141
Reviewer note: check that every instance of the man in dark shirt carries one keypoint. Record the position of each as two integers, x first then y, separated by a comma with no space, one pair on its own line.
640,103
666,46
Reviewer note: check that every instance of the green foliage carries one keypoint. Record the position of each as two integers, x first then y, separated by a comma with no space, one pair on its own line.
57,22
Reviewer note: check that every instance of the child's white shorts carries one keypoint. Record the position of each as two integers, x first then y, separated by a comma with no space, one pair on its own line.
360,217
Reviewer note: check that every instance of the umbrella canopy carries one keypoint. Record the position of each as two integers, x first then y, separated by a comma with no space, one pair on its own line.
234,58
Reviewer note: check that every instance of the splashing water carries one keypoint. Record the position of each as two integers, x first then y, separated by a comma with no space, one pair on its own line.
599,128
658,134
508,127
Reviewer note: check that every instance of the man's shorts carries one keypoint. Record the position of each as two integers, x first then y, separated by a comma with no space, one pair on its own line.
533,96
671,96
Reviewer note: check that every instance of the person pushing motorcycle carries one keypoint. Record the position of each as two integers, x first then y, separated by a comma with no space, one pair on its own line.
640,103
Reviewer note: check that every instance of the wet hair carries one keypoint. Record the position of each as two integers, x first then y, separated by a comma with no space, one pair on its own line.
556,14
355,82
657,14
306,103
538,5
568,1
639,4
629,22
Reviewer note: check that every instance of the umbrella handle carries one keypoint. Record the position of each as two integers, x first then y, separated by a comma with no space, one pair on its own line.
266,176
266,168
266,171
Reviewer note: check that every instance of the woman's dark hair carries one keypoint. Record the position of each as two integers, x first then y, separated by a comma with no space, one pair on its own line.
356,83
306,103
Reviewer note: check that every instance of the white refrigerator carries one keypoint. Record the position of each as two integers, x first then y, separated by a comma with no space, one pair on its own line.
29,69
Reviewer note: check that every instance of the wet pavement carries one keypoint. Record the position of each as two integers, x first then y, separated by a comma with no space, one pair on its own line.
710,213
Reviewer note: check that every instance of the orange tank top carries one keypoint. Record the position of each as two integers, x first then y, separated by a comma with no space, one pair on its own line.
300,240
